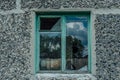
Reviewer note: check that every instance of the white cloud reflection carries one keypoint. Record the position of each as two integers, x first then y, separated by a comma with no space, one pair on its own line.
77,30
76,25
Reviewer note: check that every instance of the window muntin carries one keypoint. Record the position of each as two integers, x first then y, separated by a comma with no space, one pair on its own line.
63,30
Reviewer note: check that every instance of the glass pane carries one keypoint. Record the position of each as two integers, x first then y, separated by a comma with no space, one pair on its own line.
50,50
77,43
50,24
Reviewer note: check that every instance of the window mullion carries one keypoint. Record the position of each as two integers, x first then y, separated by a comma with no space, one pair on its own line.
63,44
89,46
37,44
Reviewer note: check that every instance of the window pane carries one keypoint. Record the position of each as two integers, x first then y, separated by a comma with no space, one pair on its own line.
77,43
51,24
50,50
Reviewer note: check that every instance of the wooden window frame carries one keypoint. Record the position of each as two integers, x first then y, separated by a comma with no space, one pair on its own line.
63,40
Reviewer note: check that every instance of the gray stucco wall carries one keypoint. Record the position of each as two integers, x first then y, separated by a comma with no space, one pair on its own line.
15,46
108,46
16,37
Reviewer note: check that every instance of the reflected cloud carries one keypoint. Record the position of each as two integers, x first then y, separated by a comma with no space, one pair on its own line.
77,30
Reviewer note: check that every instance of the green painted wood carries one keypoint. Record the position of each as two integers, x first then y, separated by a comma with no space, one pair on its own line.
37,44
49,16
63,39
89,44
63,13
35,54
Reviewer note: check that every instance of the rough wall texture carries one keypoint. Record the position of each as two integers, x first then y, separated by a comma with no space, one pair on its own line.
7,4
15,37
14,46
108,46
56,4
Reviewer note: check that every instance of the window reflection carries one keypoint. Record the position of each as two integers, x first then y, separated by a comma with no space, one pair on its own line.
50,50
50,24
50,43
77,43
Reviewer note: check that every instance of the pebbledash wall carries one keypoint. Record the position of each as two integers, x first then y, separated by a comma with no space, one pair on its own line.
17,38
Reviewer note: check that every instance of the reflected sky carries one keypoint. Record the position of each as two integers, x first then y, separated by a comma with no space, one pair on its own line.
84,20
77,27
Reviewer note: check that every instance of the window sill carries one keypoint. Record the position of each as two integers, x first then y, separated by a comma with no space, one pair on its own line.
64,76
65,72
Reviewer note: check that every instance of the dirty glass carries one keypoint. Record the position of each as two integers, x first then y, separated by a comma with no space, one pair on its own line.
77,43
50,44
50,24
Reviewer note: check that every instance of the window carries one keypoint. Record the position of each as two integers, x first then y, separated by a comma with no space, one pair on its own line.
63,42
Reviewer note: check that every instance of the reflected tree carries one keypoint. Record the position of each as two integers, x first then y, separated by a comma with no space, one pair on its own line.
74,48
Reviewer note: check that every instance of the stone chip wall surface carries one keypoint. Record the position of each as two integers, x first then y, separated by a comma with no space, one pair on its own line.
7,4
14,46
15,37
107,31
57,4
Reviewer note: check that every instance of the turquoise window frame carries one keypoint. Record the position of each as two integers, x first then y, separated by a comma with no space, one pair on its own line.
63,38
